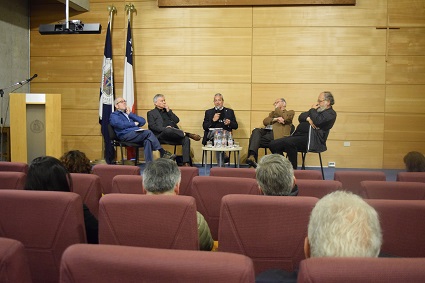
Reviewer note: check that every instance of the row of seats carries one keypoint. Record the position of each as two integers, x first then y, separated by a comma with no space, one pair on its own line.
268,230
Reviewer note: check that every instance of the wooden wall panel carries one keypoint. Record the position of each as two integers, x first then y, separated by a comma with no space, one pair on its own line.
193,41
404,127
407,41
90,145
318,69
319,41
405,99
365,13
406,12
406,70
80,122
358,127
226,69
394,152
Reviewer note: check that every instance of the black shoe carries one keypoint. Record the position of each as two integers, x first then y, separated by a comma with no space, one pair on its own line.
226,159
169,155
251,161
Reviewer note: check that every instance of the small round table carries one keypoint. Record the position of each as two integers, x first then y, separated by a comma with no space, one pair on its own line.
206,149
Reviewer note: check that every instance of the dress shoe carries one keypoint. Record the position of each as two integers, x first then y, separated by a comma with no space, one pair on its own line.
251,161
226,158
194,137
169,155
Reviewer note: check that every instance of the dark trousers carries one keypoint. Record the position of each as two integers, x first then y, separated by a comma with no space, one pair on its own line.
145,138
291,145
259,138
176,136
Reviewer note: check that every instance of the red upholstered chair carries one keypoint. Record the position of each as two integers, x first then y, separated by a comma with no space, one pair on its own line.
107,172
208,192
411,177
14,166
317,188
188,173
89,188
393,190
128,184
12,180
156,221
46,223
233,172
106,263
403,226
359,270
13,262
308,174
268,229
351,179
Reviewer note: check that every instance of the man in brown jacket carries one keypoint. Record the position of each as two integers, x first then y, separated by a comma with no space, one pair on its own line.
277,125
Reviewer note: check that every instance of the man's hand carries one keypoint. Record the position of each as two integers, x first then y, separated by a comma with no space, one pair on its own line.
136,123
315,105
216,117
311,123
226,122
280,120
127,110
166,107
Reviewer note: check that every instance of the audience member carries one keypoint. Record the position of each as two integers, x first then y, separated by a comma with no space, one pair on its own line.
219,117
275,176
162,177
277,125
414,162
163,123
76,161
47,173
320,117
127,126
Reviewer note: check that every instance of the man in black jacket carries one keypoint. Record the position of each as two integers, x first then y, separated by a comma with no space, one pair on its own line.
321,117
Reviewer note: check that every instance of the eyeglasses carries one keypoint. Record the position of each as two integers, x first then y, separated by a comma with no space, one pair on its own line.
320,100
122,101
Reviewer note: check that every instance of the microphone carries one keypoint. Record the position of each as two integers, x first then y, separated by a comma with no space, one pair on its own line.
28,80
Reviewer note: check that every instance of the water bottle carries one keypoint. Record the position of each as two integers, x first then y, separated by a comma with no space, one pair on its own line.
224,139
219,138
230,140
215,138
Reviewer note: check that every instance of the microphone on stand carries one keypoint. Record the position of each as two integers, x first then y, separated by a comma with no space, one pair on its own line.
28,80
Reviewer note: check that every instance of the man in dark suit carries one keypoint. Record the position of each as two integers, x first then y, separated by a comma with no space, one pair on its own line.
163,123
219,117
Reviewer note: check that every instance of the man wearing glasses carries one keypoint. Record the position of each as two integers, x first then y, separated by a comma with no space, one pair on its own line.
321,117
127,126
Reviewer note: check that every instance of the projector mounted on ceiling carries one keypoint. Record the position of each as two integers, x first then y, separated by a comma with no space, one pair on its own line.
69,27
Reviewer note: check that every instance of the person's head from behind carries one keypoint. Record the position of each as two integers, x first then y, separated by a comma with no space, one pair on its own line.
76,161
414,162
343,225
161,176
275,175
47,173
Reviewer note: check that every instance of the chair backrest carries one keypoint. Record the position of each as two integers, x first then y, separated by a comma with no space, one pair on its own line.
403,226
268,229
208,192
112,134
107,172
359,270
13,262
392,190
308,174
14,166
128,184
411,177
233,172
12,180
156,221
187,173
317,188
89,188
106,263
351,179
46,223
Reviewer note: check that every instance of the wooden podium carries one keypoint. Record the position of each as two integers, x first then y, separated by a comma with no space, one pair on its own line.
51,126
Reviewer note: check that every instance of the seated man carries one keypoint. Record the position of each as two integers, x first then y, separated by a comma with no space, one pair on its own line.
127,127
162,176
278,125
321,117
163,123
275,176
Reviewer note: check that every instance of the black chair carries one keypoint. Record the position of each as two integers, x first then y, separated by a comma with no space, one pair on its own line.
117,143
303,155
292,131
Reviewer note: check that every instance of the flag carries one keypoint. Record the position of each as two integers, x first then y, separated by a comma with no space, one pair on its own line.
128,87
106,99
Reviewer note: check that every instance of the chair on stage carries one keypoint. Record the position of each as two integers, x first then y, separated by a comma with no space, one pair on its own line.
209,190
233,172
46,223
107,172
317,188
14,166
411,177
106,263
351,179
89,188
155,221
13,262
268,229
393,190
359,270
128,184
12,180
117,143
